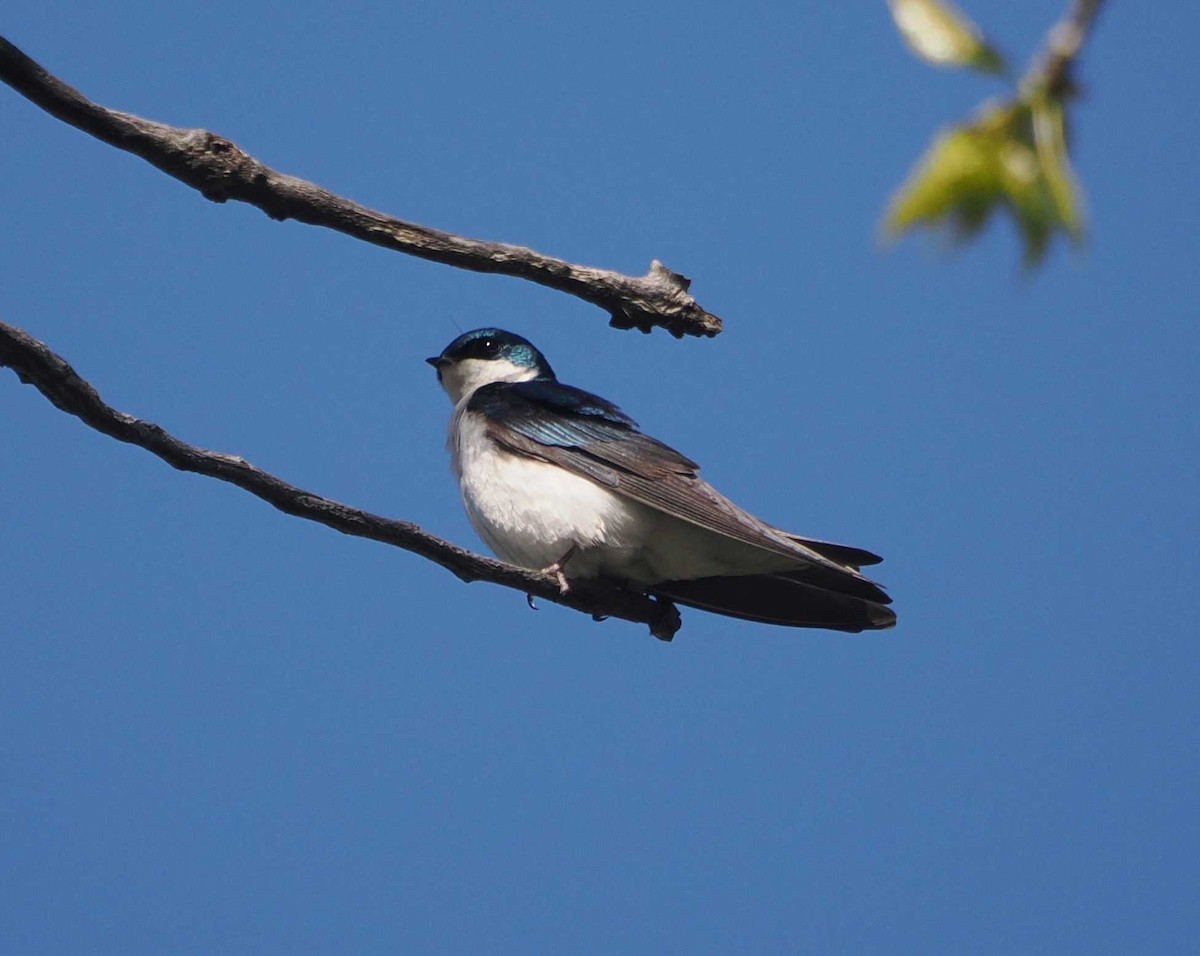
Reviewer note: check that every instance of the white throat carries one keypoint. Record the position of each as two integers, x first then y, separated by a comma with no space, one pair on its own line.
463,377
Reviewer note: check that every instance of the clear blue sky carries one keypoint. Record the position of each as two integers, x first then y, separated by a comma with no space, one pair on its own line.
229,731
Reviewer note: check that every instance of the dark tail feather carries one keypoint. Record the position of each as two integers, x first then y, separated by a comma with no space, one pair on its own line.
840,581
774,599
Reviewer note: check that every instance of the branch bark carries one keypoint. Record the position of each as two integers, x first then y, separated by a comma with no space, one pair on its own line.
35,364
221,171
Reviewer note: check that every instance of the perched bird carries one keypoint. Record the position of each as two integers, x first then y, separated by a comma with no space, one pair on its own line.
556,478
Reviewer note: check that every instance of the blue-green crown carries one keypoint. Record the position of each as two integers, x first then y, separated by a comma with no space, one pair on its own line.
489,344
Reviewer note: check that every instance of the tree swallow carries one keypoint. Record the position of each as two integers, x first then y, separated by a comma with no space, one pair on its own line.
556,478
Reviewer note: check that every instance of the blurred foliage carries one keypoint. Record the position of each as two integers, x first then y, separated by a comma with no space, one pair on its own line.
1011,155
941,34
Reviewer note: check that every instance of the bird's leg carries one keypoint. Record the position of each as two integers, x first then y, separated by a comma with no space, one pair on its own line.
557,569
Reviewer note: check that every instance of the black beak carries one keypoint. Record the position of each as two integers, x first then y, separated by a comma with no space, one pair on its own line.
436,361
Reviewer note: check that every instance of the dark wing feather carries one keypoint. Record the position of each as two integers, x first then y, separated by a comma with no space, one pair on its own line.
841,553
562,416
592,437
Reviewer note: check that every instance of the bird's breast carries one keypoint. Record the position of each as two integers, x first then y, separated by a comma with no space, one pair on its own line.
531,513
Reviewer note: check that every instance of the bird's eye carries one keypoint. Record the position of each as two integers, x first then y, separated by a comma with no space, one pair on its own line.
485,347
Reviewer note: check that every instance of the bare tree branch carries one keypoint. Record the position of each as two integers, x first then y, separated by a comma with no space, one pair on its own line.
221,170
37,365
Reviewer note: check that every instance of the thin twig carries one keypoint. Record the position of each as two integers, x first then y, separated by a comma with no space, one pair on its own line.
35,364
1052,70
221,170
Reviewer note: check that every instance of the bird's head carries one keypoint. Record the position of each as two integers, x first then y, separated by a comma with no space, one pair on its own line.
484,356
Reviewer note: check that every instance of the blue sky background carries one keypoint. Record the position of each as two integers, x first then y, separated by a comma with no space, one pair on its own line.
227,730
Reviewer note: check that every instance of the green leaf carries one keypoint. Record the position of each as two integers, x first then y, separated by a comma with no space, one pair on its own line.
943,35
1050,141
958,181
1026,193
1013,156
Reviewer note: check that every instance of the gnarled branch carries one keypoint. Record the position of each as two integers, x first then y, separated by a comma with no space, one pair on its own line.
35,364
221,170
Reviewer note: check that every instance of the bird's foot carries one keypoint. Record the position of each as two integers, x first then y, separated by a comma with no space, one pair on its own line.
563,584
556,569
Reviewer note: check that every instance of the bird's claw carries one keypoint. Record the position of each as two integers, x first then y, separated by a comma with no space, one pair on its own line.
556,569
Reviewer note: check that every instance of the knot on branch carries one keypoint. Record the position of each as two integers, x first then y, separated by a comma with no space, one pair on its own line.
219,168
603,598
661,275
660,298
668,623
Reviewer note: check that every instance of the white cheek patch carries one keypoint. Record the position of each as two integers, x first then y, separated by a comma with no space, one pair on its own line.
463,377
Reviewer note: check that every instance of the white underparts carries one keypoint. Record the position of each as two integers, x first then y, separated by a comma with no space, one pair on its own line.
530,512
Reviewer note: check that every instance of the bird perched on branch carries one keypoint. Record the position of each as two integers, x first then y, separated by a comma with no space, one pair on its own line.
558,479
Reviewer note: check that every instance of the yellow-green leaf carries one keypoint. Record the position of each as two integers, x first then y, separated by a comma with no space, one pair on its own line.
958,180
1050,141
1012,156
943,35
1025,190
